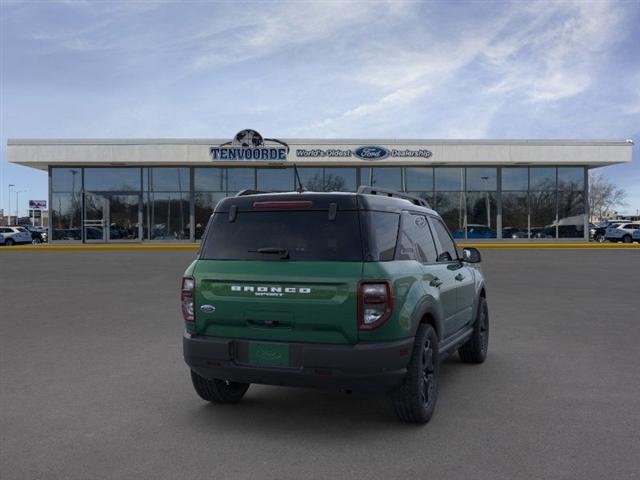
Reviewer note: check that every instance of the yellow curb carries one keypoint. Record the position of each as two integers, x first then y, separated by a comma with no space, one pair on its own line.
46,248
195,246
551,246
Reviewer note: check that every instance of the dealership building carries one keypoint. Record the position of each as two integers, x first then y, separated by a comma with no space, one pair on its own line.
132,190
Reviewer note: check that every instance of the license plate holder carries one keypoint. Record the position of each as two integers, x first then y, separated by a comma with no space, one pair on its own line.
268,354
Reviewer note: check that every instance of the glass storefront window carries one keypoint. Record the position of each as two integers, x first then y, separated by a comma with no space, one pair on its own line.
66,217
571,178
205,202
515,215
571,211
312,179
340,179
167,216
482,179
66,179
419,179
542,178
543,214
515,179
481,215
112,179
210,179
240,179
275,179
383,177
451,206
449,179
166,179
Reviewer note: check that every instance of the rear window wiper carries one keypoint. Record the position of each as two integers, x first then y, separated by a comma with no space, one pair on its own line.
283,252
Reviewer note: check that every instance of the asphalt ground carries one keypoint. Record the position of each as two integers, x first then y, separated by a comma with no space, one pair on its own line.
93,384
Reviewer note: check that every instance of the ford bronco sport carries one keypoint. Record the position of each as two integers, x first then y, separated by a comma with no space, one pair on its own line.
355,291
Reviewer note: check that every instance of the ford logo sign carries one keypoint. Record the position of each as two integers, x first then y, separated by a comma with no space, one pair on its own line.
371,153
207,309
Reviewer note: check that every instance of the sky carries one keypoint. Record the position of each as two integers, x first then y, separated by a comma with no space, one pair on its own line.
374,69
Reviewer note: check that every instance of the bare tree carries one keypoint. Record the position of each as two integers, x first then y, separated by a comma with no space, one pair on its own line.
604,196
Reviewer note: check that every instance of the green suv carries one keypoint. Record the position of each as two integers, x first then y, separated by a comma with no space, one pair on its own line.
355,291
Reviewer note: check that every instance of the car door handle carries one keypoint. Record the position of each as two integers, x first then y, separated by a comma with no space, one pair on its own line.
459,277
436,282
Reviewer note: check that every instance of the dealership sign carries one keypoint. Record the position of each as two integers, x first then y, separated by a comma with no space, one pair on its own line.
250,145
38,204
366,152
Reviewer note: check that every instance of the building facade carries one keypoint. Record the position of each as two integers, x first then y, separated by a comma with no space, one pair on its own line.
133,190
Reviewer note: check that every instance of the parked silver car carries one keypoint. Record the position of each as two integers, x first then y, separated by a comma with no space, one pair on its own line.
622,232
15,235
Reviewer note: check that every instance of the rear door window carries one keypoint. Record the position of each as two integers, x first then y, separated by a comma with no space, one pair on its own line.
381,234
416,242
447,248
303,235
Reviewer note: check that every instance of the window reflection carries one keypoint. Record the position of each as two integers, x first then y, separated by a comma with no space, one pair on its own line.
571,214
166,179
210,179
240,179
570,178
275,179
66,180
482,179
450,206
383,177
419,179
543,214
515,215
112,179
449,179
515,179
167,215
481,215
205,202
542,178
340,179
66,216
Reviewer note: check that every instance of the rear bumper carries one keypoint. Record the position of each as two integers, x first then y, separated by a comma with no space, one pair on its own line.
373,367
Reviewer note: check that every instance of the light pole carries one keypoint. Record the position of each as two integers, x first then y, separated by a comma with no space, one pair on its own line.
9,214
18,192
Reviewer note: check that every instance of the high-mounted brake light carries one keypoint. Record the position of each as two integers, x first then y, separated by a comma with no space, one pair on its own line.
283,204
375,304
187,298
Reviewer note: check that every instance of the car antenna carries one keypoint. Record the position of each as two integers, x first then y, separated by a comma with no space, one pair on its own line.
300,188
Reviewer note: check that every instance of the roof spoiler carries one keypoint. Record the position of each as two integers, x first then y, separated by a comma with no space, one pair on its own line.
248,191
392,193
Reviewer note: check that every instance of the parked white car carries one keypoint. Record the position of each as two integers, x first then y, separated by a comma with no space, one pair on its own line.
636,236
623,232
15,235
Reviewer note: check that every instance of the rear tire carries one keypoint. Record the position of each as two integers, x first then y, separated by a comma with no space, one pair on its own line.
218,391
475,350
599,238
415,400
36,241
626,239
9,242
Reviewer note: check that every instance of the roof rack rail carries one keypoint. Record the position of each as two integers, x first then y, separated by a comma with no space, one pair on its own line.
392,193
248,191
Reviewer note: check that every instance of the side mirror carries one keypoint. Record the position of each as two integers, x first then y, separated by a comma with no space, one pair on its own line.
471,255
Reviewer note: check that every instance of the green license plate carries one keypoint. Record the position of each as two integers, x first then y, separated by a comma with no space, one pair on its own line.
269,354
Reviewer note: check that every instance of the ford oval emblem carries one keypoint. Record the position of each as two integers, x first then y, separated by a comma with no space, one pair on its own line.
207,309
371,153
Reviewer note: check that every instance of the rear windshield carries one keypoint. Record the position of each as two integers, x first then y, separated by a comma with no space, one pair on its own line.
284,235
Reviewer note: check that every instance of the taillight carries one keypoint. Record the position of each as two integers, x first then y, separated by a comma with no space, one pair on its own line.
187,298
375,304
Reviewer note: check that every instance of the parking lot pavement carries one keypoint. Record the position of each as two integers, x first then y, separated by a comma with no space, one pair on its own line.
93,384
